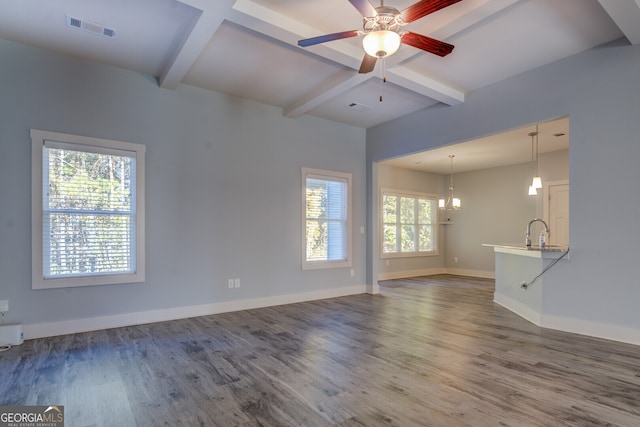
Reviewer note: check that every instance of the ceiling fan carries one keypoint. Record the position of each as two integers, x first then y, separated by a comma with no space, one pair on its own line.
382,28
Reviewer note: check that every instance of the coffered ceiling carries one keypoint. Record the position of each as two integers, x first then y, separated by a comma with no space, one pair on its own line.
248,48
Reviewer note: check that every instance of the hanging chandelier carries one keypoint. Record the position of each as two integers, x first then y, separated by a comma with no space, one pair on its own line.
451,203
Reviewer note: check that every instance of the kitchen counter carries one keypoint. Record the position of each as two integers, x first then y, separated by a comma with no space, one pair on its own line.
517,264
533,251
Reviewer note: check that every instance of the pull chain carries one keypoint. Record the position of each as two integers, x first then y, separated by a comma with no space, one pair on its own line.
383,77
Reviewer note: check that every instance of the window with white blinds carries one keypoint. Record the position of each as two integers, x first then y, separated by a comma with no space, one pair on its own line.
326,211
409,224
88,221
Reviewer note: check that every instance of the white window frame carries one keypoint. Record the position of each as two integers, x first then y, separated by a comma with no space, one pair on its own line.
38,138
434,223
331,176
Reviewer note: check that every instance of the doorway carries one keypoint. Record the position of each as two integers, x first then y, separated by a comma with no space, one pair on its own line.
556,211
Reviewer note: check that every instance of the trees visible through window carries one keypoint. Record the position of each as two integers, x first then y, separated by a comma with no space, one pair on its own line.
89,211
327,241
409,224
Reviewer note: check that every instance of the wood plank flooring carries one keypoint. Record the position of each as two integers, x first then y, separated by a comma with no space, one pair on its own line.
428,351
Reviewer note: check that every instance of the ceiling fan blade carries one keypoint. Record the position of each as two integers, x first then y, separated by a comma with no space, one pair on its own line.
327,38
368,64
427,44
364,7
424,8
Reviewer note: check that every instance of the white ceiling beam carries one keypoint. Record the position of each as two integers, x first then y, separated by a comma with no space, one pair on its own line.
323,94
211,17
419,83
626,15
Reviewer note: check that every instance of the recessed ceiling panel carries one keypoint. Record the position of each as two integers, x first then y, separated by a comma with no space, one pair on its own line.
522,37
239,62
147,31
396,102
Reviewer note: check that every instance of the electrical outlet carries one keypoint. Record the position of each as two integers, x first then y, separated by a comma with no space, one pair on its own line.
4,306
353,272
236,283
455,259
230,283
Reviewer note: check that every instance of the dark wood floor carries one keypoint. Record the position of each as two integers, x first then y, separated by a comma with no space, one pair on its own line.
430,351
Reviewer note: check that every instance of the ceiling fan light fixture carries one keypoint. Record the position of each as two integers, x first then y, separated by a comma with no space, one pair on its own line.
381,44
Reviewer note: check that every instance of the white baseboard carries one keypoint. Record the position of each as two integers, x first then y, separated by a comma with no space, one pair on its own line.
565,324
410,273
471,273
517,307
391,275
373,289
49,329
592,329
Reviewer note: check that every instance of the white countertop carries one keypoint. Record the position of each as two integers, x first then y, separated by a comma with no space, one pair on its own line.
534,251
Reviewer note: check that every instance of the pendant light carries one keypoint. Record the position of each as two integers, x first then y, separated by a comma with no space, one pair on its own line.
532,188
452,203
537,181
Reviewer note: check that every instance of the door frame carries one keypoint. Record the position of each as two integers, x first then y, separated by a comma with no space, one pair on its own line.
546,192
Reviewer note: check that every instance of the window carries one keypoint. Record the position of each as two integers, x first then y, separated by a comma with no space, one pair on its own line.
87,211
409,224
327,211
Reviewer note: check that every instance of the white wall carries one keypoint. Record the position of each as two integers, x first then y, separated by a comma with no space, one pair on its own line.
223,192
597,291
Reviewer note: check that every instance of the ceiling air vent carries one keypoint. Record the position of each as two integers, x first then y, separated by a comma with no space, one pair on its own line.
358,107
90,27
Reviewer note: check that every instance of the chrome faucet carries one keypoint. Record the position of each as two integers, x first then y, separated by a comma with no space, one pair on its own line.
528,235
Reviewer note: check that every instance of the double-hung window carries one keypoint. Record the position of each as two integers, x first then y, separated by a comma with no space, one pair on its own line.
326,219
409,224
87,211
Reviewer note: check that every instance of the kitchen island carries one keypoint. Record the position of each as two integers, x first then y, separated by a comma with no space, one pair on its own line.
519,276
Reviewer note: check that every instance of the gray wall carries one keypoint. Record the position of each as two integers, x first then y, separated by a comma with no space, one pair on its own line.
496,209
600,92
223,186
408,180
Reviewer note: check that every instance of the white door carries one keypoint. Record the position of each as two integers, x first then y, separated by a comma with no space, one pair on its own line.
557,212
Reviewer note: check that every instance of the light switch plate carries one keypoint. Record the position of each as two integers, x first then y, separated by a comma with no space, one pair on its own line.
4,305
